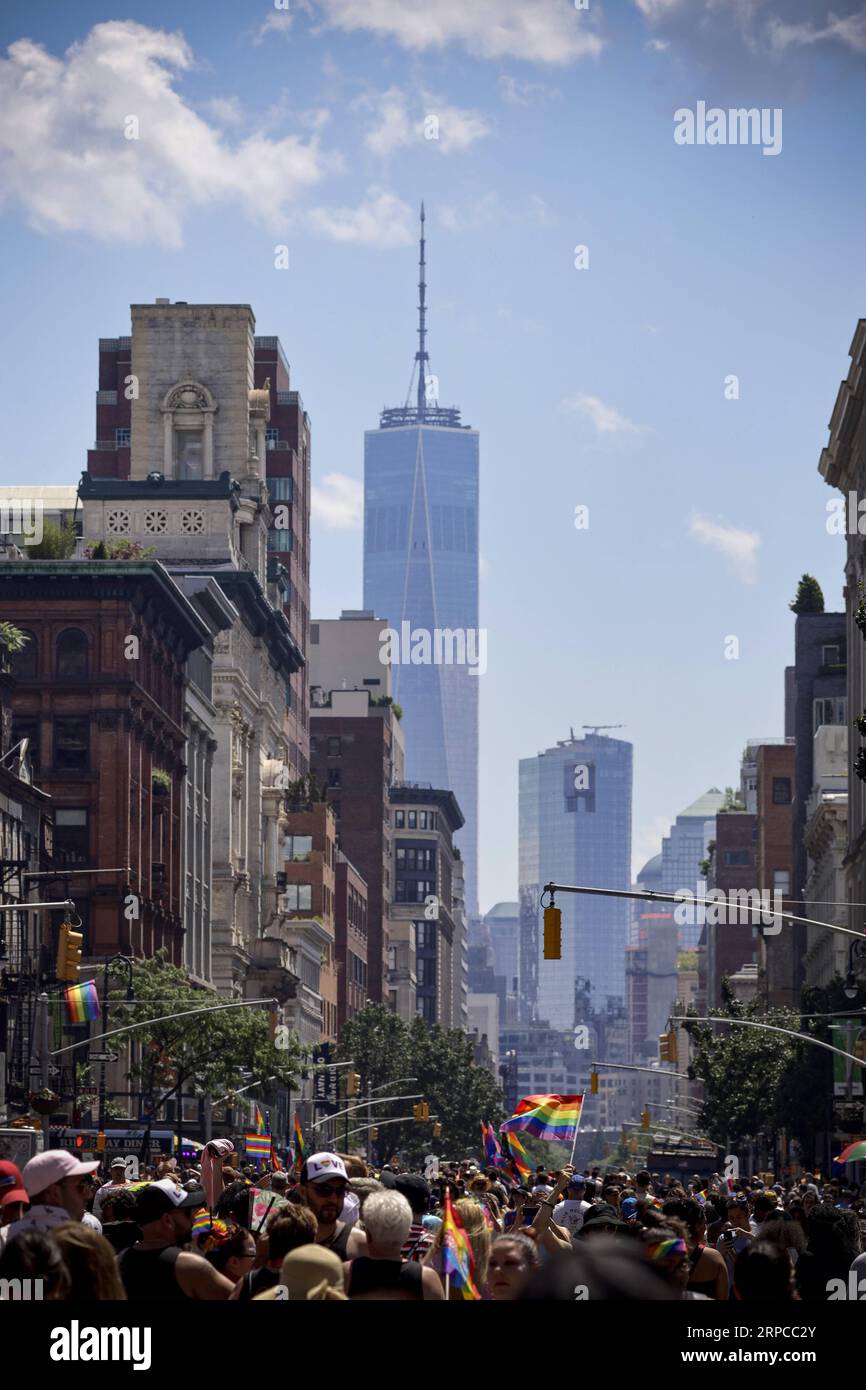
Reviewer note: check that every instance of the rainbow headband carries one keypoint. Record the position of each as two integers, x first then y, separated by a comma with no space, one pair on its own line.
667,1251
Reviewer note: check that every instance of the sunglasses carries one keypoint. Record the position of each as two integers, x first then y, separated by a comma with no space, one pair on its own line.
329,1189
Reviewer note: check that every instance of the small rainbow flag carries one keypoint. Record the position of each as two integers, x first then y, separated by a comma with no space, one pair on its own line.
547,1117
82,1002
458,1260
276,1162
519,1166
260,1122
201,1221
492,1147
300,1146
258,1145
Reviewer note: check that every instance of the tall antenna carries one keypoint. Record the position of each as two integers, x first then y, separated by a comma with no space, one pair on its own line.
421,356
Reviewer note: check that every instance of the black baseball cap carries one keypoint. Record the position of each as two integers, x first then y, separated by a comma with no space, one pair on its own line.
159,1197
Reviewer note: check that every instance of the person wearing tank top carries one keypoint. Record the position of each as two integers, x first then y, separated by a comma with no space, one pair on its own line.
324,1183
157,1268
380,1273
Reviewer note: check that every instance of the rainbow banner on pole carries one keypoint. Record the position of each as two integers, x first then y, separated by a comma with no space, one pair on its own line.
458,1261
519,1166
258,1145
492,1147
82,1002
547,1117
300,1146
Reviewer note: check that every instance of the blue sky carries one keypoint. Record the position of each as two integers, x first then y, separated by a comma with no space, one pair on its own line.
604,387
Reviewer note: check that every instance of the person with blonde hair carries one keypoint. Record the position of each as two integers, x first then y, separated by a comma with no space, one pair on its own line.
471,1214
91,1262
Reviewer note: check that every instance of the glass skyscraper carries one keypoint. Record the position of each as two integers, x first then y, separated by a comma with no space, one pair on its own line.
575,827
421,574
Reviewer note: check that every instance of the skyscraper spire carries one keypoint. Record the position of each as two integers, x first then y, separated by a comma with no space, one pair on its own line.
421,356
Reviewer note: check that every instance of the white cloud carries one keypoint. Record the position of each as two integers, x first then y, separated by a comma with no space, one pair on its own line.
658,45
849,30
545,31
605,419
225,110
519,93
339,503
740,548
382,220
393,127
64,156
398,125
659,9
280,22
479,213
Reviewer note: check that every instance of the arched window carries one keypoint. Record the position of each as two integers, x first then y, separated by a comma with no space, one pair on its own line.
188,410
72,653
25,664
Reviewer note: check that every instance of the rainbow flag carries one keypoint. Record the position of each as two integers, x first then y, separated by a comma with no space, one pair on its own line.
519,1167
300,1146
82,1002
492,1147
201,1221
258,1145
853,1153
276,1164
260,1122
457,1258
547,1117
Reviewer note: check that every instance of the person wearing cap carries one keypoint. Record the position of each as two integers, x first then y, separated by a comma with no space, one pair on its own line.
13,1194
570,1211
57,1187
116,1180
324,1184
157,1268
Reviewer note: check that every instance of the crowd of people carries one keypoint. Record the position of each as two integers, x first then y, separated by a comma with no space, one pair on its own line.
335,1229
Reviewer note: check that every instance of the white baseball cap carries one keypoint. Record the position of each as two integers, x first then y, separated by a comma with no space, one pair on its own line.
53,1166
322,1166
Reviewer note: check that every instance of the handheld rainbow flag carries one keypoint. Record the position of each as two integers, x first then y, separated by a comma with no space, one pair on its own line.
276,1162
492,1147
853,1153
201,1221
519,1166
260,1122
82,1002
300,1146
458,1262
258,1145
547,1117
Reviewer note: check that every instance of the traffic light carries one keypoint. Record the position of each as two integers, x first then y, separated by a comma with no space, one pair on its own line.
69,952
353,1083
668,1047
552,933
421,1111
645,1118
593,1083
860,1049
100,1142
374,1132
437,1129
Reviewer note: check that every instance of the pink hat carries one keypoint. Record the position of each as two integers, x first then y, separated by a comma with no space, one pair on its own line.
52,1166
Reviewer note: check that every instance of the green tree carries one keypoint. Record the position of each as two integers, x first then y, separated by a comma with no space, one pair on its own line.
809,597
58,543
12,638
202,1054
743,1070
384,1048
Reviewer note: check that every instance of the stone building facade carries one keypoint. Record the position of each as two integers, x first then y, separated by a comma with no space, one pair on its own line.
194,487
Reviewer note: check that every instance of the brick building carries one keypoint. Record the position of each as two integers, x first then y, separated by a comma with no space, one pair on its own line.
774,863
100,696
730,945
350,922
356,752
307,852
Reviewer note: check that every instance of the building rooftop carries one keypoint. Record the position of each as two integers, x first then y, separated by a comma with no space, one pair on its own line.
705,807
